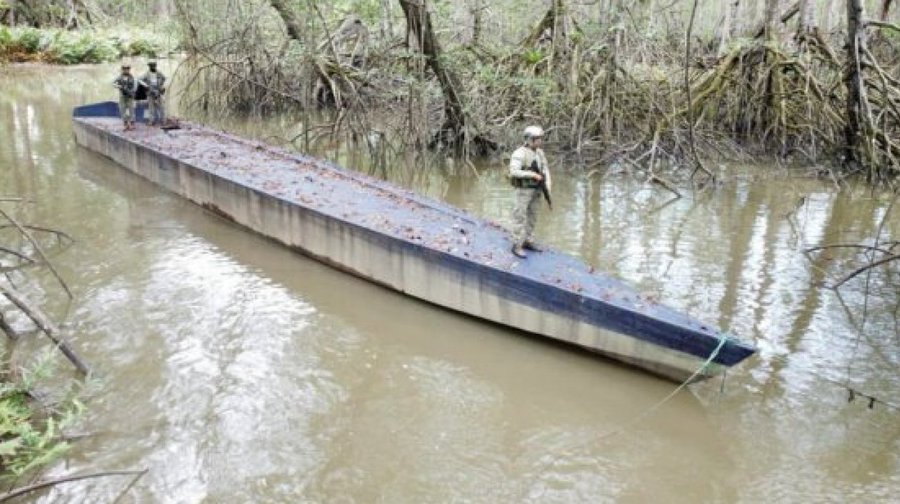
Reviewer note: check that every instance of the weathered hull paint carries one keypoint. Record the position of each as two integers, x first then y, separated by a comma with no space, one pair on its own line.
503,296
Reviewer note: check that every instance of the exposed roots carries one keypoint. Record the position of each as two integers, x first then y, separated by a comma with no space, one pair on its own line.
609,95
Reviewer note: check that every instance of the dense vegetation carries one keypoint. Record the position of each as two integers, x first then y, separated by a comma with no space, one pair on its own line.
646,85
649,85
31,430
36,404
65,47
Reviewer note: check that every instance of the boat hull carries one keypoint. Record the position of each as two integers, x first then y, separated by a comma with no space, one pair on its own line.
445,279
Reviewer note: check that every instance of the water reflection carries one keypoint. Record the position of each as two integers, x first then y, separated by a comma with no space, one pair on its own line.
237,371
447,401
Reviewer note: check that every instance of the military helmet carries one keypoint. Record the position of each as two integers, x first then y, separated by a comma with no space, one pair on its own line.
533,132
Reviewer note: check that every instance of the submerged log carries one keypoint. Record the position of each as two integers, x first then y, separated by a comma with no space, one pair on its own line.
44,324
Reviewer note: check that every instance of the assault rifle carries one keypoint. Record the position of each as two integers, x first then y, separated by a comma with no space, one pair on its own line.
542,185
129,92
154,91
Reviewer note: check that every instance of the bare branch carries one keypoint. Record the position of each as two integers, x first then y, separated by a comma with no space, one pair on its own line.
49,328
865,268
18,492
37,247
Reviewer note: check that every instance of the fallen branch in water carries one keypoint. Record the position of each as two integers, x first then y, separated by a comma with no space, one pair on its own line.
38,249
18,492
45,325
130,484
891,256
16,253
656,179
8,329
865,268
847,245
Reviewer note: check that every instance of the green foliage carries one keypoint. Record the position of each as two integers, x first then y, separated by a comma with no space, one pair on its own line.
139,43
25,444
29,435
5,39
68,48
533,56
142,47
26,39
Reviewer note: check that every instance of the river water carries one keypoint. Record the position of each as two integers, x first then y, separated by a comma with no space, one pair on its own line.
237,371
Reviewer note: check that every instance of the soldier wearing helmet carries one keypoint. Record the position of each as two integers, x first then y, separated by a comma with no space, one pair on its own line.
528,170
127,87
155,82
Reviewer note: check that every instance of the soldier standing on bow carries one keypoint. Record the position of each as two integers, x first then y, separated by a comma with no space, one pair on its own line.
127,87
155,82
529,173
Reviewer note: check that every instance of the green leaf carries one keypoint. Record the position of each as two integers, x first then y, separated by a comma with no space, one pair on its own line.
9,448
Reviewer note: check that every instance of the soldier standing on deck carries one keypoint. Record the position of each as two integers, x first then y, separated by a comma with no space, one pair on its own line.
155,82
528,171
127,86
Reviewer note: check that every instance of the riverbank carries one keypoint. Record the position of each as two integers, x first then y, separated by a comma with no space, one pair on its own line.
64,47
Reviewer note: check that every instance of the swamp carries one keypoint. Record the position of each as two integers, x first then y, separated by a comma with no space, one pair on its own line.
737,160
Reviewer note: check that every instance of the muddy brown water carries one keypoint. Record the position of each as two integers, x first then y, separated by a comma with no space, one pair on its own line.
237,371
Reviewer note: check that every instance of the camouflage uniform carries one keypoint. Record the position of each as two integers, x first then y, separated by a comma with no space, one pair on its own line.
528,193
127,87
155,83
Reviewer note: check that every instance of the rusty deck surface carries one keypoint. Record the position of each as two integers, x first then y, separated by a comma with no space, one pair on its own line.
371,203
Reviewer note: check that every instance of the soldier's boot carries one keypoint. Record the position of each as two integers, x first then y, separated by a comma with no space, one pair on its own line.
519,252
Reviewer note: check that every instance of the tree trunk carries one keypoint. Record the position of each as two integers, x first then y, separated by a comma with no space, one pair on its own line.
885,8
852,81
806,21
771,23
477,21
832,16
774,30
735,27
294,29
651,9
164,9
72,19
418,21
729,24
554,26
387,27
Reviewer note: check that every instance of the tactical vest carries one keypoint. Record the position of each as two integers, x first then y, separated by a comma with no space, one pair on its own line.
126,85
530,161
